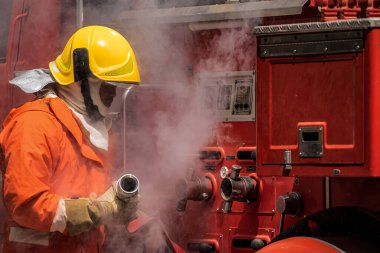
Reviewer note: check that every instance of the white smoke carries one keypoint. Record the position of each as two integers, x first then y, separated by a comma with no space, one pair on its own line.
172,126
165,125
166,122
227,50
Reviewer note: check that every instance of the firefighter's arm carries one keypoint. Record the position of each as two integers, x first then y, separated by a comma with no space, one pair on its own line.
27,145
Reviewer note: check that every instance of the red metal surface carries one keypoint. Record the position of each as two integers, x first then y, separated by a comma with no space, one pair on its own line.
214,161
300,245
13,30
39,40
365,193
330,11
10,66
321,91
373,106
12,44
373,9
349,9
346,9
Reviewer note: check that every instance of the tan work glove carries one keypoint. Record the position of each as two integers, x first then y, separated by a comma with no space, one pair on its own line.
84,214
124,209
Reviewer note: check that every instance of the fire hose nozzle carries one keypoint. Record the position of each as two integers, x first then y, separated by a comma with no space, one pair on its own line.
127,186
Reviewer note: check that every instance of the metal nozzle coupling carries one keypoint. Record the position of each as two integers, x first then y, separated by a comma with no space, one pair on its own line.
197,189
237,188
127,186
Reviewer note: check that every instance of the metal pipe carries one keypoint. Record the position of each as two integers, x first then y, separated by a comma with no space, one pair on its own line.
125,96
127,186
79,13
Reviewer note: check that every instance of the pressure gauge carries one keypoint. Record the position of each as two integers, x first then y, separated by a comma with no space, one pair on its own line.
224,172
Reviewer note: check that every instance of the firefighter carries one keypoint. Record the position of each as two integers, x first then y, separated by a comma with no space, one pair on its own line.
54,148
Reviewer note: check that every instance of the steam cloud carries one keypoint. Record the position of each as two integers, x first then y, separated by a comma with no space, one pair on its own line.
166,121
227,50
168,124
171,124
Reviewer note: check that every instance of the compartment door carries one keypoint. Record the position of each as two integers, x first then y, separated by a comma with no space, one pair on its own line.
313,107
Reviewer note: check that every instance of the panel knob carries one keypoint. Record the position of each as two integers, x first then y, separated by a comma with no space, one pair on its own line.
290,203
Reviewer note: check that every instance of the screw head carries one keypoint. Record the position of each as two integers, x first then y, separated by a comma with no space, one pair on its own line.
336,172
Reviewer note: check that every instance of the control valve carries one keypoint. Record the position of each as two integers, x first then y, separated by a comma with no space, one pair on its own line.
237,188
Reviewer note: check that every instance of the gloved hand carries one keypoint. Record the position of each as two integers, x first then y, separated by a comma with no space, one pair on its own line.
123,209
83,214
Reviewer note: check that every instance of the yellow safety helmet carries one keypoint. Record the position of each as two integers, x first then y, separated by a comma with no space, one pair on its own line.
107,55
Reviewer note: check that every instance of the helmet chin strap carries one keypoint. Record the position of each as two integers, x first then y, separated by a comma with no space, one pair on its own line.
82,73
91,108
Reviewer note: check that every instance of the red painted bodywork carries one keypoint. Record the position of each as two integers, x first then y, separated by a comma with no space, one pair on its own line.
338,92
300,244
325,91
335,92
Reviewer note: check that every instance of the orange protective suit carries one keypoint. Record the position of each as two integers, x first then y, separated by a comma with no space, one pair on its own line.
47,157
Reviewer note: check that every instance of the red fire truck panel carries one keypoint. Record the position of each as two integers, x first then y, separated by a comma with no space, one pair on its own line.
313,98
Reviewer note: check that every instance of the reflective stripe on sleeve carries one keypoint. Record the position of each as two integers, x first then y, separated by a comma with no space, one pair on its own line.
25,235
